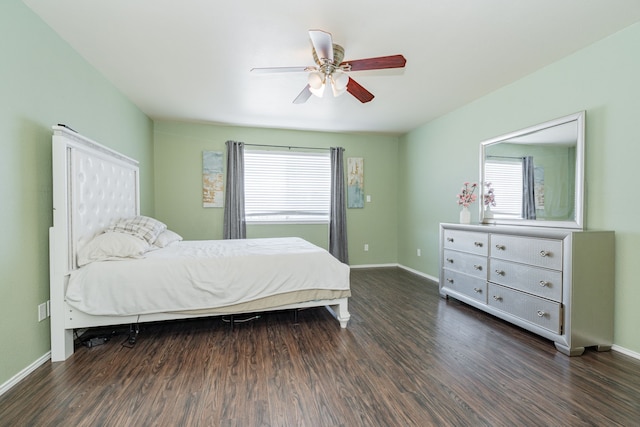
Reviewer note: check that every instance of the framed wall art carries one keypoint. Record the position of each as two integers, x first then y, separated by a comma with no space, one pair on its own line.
212,179
355,182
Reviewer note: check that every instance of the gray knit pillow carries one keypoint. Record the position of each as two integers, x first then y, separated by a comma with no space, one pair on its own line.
143,227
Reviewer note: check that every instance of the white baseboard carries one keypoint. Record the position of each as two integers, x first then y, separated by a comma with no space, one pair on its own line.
625,351
374,266
24,373
419,273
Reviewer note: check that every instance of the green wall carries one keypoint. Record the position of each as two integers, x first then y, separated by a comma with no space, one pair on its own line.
44,82
435,159
178,151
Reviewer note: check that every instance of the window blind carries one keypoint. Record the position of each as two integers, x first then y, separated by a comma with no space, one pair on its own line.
284,186
505,177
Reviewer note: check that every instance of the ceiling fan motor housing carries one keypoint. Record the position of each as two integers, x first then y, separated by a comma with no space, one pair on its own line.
328,67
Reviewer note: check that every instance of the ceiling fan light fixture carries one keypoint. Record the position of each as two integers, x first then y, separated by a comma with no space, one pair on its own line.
316,80
339,81
317,83
317,92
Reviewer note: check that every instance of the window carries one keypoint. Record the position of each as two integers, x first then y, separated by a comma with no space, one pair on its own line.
284,186
505,176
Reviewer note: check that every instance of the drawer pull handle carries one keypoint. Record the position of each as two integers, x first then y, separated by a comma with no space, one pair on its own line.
450,260
500,247
477,267
541,313
544,284
450,280
478,244
544,253
500,272
477,290
497,298
449,239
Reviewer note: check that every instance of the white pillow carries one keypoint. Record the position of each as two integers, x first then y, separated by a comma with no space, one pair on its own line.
143,227
166,238
111,245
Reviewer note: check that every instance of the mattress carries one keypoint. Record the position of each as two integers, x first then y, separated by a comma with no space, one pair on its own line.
209,276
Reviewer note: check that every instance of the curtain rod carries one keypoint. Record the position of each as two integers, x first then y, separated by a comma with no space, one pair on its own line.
285,146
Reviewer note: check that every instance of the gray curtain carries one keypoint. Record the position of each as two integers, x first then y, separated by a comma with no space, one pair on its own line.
338,215
528,195
234,219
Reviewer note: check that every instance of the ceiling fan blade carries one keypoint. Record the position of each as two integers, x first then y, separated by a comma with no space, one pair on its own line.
355,89
322,43
379,63
303,96
266,70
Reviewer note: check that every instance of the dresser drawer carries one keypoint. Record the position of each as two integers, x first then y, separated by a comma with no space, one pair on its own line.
470,286
473,265
527,250
533,280
467,241
539,311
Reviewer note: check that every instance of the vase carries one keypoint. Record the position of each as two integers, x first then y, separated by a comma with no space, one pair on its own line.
465,215
487,212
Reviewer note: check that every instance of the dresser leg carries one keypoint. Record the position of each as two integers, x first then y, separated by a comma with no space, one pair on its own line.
575,351
603,347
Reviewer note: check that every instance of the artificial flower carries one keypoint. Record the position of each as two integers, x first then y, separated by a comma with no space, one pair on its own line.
467,196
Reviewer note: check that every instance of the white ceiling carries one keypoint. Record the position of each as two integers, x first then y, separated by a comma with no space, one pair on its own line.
190,59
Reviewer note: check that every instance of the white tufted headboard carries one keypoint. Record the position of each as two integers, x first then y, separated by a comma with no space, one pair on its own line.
93,186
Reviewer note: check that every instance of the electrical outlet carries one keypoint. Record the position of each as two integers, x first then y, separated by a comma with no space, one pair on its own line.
42,311
366,247
419,252
368,198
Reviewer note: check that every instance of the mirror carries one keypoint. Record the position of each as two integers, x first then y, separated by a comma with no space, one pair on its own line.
535,176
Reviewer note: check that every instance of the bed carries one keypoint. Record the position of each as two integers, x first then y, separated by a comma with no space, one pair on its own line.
95,192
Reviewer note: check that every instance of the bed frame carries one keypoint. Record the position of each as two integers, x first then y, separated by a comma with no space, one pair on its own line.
94,186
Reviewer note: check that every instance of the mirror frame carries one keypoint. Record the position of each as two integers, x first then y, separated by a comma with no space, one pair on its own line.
579,217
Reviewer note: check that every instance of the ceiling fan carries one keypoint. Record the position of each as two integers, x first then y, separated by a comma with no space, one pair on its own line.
331,69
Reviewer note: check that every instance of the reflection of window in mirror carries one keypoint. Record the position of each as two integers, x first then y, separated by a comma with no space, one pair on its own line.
537,174
505,176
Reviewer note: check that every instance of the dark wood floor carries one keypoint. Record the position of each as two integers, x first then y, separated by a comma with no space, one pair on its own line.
408,358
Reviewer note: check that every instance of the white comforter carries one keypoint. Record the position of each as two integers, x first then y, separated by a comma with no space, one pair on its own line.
192,275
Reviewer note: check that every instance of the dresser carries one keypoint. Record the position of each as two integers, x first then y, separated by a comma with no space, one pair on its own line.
557,283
